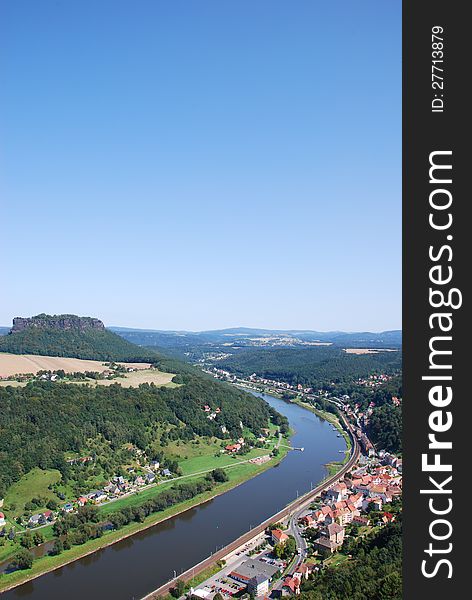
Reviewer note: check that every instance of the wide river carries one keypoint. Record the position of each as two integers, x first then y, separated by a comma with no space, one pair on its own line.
135,566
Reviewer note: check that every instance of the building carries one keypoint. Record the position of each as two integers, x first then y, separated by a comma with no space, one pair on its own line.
291,585
258,585
251,568
278,536
305,570
331,539
233,447
307,520
336,493
200,594
2,520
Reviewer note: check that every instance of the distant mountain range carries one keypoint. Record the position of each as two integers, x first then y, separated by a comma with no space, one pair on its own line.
259,337
86,337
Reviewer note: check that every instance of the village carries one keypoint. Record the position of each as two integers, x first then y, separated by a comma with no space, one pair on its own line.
276,562
145,475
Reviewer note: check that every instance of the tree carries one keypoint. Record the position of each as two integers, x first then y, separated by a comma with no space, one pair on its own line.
178,588
38,538
290,547
390,587
27,540
278,550
219,475
23,559
58,547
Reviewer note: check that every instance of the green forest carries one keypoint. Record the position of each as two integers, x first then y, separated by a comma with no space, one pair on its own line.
374,573
312,367
42,421
93,344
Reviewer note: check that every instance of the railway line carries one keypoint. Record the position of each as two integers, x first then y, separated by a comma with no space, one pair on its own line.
297,505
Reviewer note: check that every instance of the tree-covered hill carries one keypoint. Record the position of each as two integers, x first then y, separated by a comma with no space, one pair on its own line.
314,366
42,421
71,336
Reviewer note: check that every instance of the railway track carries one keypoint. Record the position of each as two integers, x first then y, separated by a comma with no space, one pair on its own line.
297,504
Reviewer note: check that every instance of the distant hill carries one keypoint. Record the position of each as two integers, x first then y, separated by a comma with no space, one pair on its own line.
190,345
72,336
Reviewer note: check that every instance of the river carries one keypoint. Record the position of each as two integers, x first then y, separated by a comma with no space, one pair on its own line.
135,566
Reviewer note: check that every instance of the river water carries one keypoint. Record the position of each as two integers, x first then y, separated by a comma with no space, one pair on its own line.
135,566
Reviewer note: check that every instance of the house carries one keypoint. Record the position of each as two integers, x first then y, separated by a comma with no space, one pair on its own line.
362,521
291,585
139,480
154,465
67,508
356,500
233,447
34,520
150,478
305,570
278,536
307,520
388,518
111,489
258,585
2,520
99,496
82,501
166,473
47,514
336,493
376,503
319,515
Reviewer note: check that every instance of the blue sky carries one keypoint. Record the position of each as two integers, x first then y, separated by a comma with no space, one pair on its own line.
202,164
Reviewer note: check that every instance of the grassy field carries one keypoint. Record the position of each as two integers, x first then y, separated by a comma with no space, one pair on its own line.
33,484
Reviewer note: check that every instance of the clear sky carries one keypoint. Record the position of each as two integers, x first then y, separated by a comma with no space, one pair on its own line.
198,164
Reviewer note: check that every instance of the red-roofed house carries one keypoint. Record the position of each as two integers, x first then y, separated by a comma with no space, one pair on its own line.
233,447
279,536
291,585
307,520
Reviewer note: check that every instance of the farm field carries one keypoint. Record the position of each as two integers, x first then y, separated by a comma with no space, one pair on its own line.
361,351
136,378
14,364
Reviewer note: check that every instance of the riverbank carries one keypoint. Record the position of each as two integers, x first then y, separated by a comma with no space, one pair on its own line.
238,474
333,466
197,573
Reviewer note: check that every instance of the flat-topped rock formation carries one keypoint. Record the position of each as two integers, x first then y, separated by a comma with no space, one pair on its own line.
59,322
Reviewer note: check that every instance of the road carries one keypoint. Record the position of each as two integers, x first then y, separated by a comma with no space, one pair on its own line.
295,508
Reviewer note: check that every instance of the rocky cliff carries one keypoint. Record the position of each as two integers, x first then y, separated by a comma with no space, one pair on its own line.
59,322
